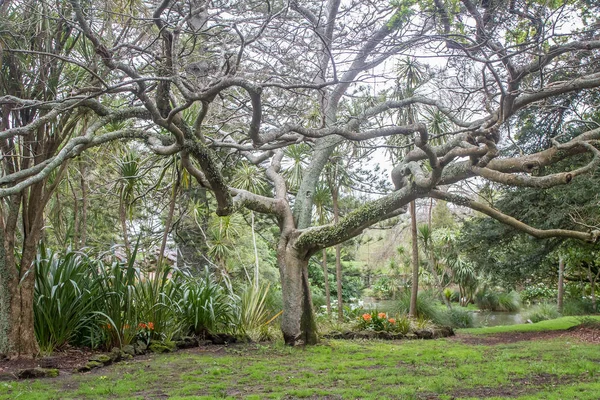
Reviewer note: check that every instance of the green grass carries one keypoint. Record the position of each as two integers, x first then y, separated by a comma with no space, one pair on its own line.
550,325
558,368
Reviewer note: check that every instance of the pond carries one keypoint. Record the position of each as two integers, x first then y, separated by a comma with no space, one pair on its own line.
496,318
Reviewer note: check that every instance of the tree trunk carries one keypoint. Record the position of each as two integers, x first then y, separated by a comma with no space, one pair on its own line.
123,219
297,322
338,278
256,263
338,254
326,276
84,205
415,261
561,286
5,294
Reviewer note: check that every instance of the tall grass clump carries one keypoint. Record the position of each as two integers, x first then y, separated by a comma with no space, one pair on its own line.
487,300
117,317
65,297
158,302
509,301
456,318
207,306
255,314
580,306
426,306
542,312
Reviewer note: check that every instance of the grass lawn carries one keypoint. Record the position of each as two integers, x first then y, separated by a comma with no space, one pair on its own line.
550,368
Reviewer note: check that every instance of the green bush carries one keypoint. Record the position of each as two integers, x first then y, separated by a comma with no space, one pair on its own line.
380,321
456,318
65,297
254,312
542,312
580,306
426,306
487,300
509,301
206,306
538,293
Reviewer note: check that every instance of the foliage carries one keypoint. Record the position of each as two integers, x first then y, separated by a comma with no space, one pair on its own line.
207,306
456,318
577,306
426,306
509,301
542,312
65,297
380,321
254,314
538,293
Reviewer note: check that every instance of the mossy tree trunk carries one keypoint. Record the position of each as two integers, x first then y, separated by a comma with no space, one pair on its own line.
298,322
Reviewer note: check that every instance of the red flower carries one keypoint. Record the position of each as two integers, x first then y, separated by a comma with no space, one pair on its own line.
108,326
142,325
151,326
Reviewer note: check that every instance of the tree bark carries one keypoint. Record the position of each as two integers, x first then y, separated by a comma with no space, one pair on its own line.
338,254
561,285
297,321
412,312
326,276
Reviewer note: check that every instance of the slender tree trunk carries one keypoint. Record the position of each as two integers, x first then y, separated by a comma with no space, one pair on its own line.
5,294
561,285
84,204
168,222
297,322
338,278
415,261
326,276
123,218
338,255
256,263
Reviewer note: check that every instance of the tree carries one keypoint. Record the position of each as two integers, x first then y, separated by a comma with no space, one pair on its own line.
217,82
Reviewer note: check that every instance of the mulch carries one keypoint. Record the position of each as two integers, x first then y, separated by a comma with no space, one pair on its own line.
66,361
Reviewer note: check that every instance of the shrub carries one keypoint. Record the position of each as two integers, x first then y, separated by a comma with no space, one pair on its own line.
487,300
380,321
581,306
509,301
542,312
456,318
426,306
254,312
117,320
206,306
538,293
64,298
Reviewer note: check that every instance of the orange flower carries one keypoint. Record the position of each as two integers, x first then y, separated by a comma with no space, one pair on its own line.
381,315
392,321
151,326
108,326
367,317
126,326
142,325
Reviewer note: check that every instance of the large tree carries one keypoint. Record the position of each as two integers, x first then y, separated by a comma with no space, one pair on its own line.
217,81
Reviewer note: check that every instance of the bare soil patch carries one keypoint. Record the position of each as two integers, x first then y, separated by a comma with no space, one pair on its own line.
587,333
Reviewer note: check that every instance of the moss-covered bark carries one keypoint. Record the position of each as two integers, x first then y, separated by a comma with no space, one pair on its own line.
298,322
4,298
